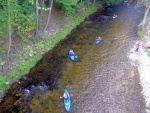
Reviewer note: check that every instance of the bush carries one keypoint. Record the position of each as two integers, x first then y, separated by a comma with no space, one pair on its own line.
148,53
140,34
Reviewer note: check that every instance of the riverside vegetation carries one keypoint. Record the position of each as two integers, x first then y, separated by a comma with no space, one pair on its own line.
25,55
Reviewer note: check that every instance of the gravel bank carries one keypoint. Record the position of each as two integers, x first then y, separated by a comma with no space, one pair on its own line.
142,61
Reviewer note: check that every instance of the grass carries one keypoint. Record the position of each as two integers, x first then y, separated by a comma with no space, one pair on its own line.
148,53
44,45
141,34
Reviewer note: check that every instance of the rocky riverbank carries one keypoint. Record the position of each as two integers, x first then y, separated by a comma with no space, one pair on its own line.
142,61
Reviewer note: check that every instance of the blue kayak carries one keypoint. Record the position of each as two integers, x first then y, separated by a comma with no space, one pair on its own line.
114,17
98,41
72,56
67,101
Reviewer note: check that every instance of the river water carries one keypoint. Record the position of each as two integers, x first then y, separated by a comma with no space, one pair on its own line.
101,79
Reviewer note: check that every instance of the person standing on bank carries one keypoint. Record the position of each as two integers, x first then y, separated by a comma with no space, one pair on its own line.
138,44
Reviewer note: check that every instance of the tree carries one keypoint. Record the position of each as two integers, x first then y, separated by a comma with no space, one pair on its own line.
67,6
37,16
146,20
3,19
49,14
16,15
9,28
41,13
145,16
23,18
107,2
94,1
112,2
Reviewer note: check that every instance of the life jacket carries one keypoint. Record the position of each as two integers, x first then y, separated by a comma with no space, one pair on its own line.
138,44
99,39
71,53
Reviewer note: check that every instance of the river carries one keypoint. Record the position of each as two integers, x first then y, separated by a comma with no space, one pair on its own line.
101,79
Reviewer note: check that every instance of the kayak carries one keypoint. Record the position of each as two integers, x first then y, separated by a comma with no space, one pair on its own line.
114,17
98,41
72,56
67,101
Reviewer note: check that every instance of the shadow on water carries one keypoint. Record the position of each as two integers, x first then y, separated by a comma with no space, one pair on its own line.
36,91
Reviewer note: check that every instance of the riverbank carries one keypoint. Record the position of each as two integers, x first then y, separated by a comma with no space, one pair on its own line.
142,61
25,56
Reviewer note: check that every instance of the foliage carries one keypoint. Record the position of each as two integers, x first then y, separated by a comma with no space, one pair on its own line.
32,52
2,79
3,21
112,2
24,66
26,7
80,8
140,34
22,18
39,45
3,85
148,53
25,24
66,6
69,11
87,2
67,2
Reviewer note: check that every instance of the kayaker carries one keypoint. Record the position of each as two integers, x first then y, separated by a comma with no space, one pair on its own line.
99,38
137,45
71,53
65,96
114,16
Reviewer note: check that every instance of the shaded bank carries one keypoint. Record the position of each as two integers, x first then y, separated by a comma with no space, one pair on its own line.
41,77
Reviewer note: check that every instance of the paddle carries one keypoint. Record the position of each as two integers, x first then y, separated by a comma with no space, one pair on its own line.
73,57
76,56
57,98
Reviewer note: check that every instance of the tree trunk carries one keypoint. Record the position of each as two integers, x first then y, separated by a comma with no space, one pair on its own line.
49,14
37,17
148,30
93,1
145,16
41,15
9,28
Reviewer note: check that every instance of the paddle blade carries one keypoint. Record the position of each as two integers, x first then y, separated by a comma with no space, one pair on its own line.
58,98
71,95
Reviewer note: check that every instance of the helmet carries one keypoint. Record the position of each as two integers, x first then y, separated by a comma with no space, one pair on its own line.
65,96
